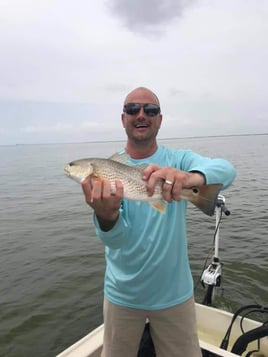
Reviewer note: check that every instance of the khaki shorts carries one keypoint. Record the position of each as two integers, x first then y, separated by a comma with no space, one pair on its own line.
173,330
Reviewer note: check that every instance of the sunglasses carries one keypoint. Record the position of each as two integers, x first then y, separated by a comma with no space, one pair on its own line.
149,109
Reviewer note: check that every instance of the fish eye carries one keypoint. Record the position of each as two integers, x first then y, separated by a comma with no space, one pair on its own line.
195,190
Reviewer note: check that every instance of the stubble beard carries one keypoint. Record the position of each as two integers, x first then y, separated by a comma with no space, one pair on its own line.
142,140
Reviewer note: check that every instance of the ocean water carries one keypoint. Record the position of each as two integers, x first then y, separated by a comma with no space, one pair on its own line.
51,263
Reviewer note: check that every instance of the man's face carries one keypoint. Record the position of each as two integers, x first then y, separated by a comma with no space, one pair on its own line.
142,126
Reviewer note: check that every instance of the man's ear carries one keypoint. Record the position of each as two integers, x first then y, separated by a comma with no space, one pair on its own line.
123,119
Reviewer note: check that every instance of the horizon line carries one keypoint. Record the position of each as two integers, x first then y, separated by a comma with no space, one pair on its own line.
123,140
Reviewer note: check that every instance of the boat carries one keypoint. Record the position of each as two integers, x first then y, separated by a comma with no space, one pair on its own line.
212,326
221,333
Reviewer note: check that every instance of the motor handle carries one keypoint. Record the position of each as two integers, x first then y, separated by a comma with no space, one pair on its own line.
225,210
221,204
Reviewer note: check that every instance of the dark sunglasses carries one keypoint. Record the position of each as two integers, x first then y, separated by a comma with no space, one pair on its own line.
149,109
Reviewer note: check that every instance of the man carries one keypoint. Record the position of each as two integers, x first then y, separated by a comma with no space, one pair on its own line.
147,273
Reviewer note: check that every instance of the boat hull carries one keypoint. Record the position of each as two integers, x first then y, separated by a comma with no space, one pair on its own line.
212,325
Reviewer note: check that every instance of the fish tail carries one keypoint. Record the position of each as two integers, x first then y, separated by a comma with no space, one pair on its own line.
205,197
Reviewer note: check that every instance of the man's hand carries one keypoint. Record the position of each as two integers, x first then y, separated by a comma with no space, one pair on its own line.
106,203
173,180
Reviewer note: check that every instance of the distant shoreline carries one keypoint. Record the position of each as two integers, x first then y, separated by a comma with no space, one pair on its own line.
123,140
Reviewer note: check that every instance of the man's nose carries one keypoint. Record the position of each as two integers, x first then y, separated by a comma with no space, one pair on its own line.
141,112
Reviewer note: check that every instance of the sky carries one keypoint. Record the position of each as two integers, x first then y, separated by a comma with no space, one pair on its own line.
66,67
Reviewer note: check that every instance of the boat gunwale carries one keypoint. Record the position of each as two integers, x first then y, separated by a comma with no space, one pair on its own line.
91,344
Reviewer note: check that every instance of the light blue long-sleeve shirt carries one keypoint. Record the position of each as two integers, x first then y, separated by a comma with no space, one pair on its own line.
147,264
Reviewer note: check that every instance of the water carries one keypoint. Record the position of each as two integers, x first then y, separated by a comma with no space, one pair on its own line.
52,265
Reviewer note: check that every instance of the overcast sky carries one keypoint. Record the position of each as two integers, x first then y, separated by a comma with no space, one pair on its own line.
66,67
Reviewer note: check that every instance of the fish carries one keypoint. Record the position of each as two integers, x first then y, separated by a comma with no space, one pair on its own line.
117,168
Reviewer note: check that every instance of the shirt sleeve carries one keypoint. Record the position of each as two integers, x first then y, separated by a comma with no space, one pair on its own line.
214,170
115,237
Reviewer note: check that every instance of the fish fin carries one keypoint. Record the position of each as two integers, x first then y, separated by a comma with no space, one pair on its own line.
205,197
124,158
160,206
121,157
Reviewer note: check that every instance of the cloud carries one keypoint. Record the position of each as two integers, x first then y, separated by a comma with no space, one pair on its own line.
148,16
44,129
66,67
178,92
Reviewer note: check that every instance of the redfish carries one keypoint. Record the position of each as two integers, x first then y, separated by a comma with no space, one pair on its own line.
115,168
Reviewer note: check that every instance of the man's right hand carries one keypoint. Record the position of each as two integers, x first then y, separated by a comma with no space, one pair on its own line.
106,203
